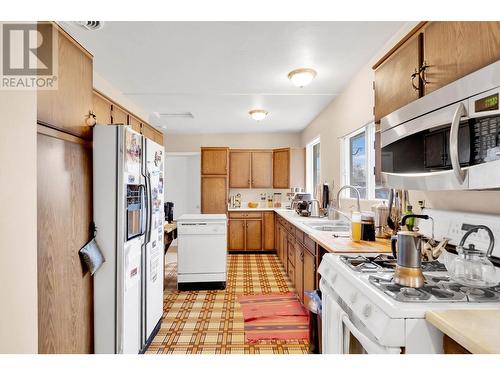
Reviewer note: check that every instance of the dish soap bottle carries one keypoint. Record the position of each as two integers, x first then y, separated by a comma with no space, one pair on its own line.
410,223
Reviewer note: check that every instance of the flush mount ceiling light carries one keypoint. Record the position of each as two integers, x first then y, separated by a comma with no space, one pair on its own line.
302,77
258,114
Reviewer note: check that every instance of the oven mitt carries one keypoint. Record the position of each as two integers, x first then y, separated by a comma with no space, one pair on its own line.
92,256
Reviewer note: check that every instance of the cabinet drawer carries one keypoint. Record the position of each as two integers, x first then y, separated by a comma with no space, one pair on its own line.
299,235
310,244
245,215
291,272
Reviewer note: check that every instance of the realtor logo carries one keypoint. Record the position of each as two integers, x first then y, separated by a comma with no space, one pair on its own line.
29,56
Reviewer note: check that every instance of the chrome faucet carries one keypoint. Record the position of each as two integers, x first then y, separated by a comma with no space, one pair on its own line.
337,212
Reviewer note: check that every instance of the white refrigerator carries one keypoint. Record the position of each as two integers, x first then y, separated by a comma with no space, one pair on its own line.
128,215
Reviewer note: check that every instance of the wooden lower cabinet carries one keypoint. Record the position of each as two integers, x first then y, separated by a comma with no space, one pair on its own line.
253,234
299,271
213,194
236,234
269,229
296,251
309,266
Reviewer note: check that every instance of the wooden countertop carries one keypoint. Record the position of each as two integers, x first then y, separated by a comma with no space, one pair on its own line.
478,331
346,245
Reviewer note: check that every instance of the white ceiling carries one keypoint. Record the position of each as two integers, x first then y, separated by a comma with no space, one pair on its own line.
219,71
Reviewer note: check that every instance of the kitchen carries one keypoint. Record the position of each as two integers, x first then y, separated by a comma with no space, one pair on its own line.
360,186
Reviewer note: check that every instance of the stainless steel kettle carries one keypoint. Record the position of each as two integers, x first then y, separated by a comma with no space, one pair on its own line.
409,255
313,208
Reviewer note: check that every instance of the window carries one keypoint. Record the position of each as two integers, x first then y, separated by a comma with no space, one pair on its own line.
358,163
313,166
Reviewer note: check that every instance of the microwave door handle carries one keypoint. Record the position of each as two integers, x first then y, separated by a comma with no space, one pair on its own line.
455,160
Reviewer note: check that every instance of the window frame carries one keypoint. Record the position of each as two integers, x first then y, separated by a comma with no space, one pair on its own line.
345,167
310,164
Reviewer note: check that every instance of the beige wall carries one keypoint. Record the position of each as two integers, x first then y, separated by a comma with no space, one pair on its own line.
352,109
193,142
18,251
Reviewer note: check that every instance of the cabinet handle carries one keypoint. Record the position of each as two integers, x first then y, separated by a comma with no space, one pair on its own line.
421,72
415,74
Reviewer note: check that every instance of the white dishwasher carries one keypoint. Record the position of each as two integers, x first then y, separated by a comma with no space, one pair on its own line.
202,251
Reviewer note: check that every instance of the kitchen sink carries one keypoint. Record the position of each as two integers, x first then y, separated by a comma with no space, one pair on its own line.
329,225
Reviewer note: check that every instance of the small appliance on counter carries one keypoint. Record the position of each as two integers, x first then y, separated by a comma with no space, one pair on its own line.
300,197
169,211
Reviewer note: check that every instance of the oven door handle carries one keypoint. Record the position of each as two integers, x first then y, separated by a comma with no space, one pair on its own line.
455,160
370,346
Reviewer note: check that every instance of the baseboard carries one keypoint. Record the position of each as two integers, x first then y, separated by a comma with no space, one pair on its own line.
252,251
210,285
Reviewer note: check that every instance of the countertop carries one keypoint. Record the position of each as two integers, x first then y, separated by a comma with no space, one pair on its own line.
326,239
478,331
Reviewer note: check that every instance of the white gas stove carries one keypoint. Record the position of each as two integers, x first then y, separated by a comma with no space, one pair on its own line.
364,311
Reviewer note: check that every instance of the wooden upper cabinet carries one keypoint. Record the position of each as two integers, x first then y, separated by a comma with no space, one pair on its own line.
134,123
102,109
281,168
118,116
393,82
455,49
253,237
213,194
67,108
214,160
262,169
239,169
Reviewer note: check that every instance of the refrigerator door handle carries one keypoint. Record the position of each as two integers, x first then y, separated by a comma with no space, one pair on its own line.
143,210
150,208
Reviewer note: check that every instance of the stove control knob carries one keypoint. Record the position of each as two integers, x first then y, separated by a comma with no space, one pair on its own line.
353,297
367,311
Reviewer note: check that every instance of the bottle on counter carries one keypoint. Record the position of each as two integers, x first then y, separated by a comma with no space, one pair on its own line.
356,226
410,223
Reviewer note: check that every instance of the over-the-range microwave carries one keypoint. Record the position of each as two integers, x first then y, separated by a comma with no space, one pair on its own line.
448,139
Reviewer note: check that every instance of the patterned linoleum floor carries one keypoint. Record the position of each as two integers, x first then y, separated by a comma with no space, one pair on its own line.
211,322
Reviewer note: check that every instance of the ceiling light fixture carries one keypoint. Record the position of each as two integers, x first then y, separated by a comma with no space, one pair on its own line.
302,77
258,114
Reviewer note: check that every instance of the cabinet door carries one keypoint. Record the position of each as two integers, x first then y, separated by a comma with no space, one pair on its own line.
309,266
214,160
253,235
393,88
118,116
64,189
67,108
134,123
213,194
102,109
455,49
262,169
299,271
291,250
239,169
281,168
268,231
236,234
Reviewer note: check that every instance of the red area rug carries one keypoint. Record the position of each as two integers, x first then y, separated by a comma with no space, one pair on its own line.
276,316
